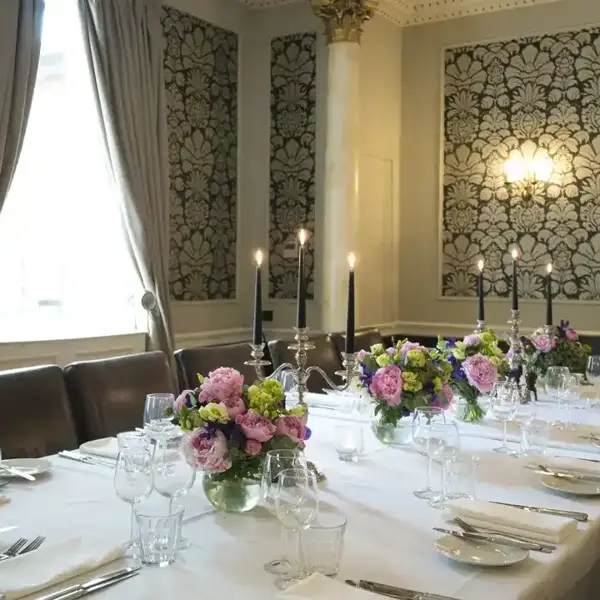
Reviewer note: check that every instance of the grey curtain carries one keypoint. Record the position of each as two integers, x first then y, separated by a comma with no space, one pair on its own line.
20,43
124,47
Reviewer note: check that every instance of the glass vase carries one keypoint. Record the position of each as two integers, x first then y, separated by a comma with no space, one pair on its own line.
399,435
469,412
231,495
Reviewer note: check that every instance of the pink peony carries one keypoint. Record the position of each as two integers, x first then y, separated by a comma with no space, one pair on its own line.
387,384
571,334
182,399
210,451
480,372
252,447
472,340
291,426
411,346
235,407
255,426
543,343
447,392
222,385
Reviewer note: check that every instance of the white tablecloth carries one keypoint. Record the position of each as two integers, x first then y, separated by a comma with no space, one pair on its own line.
389,536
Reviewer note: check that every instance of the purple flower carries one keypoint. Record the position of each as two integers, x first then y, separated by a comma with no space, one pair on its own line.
255,426
387,384
480,372
472,340
209,448
183,400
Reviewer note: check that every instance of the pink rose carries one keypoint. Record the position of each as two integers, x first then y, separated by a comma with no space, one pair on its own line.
182,400
210,451
572,335
222,385
387,384
291,426
447,392
255,426
252,447
543,343
480,372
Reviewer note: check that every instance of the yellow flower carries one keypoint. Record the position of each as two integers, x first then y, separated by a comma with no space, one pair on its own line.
383,360
437,384
411,382
214,413
377,349
416,358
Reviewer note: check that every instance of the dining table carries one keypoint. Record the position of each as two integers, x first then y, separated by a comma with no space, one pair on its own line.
390,535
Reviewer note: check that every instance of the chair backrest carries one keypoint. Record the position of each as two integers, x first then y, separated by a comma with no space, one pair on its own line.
325,355
108,395
363,340
35,416
204,359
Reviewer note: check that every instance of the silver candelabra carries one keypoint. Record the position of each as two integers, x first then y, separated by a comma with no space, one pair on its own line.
300,372
480,326
516,361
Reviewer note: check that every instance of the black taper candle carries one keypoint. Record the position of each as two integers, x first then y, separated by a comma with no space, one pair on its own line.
549,318
481,311
258,311
350,316
515,290
301,316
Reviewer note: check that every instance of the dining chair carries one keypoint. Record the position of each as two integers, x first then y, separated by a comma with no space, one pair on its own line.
108,395
35,415
363,340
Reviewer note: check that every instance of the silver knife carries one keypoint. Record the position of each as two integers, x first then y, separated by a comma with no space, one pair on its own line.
496,539
557,512
16,472
395,592
567,474
88,460
90,585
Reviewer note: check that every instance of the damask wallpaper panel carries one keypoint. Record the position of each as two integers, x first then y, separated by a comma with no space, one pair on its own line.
292,158
524,94
201,80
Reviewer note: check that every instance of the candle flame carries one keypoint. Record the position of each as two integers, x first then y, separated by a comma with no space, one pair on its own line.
480,265
515,253
549,268
302,236
258,257
351,260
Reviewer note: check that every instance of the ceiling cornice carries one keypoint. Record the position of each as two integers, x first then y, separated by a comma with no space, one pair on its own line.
413,12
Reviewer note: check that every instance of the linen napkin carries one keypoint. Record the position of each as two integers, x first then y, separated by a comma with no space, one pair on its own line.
508,519
53,564
319,587
105,447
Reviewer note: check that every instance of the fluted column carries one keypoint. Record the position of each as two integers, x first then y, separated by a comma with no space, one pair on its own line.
343,21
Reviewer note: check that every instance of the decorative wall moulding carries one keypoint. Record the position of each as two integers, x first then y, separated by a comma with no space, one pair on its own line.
413,12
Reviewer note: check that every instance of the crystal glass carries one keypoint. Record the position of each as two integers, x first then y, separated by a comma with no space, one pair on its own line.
424,420
132,440
288,383
535,438
557,387
525,415
133,479
275,462
461,477
158,535
444,446
593,372
174,471
505,402
156,420
323,544
348,441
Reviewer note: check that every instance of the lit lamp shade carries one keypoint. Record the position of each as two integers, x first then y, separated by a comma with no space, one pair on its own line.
514,169
541,168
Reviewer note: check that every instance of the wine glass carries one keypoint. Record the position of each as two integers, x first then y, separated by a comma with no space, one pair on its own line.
157,421
275,462
505,402
444,445
174,472
133,479
525,416
593,372
288,383
296,507
424,419
557,386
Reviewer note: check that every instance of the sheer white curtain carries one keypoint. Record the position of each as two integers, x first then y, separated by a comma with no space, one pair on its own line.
64,266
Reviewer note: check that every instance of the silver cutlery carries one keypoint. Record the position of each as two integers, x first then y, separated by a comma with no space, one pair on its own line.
562,474
97,583
557,512
87,460
21,547
495,539
391,591
491,531
16,472
12,550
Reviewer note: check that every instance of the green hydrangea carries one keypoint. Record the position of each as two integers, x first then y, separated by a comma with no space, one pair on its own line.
377,349
416,358
273,388
383,360
411,382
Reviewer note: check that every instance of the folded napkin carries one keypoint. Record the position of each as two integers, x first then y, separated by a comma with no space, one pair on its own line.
105,447
508,519
4,499
574,465
53,564
319,587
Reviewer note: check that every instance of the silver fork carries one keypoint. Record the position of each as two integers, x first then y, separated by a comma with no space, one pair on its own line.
34,545
14,549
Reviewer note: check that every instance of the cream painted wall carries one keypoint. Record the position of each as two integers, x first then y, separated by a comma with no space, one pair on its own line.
422,308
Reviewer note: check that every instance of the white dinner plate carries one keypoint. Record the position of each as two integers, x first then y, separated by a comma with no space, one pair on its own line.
482,554
31,466
568,486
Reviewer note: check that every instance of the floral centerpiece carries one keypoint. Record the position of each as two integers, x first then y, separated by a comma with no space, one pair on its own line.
401,379
477,363
232,427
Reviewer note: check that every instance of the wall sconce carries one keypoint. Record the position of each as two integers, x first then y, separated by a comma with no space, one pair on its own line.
528,172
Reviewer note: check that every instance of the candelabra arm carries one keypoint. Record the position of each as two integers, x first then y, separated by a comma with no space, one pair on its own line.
480,326
280,369
349,373
516,360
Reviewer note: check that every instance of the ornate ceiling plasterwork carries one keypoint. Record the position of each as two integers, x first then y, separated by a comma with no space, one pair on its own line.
412,12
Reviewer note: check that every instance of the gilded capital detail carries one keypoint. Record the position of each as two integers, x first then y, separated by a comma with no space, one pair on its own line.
344,18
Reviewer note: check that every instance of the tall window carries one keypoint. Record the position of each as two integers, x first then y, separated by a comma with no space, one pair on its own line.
64,266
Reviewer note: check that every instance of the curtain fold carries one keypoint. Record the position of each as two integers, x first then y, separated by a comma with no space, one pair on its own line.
20,44
124,47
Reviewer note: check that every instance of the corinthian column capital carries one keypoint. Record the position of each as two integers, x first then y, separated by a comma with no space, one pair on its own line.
344,18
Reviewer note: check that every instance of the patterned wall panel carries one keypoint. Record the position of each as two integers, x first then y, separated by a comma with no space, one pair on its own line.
201,64
292,189
530,93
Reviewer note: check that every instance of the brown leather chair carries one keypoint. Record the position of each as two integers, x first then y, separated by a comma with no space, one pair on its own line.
203,360
108,396
35,415
363,340
325,355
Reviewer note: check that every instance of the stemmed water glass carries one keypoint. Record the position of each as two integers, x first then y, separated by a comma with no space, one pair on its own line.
593,372
525,416
174,472
444,446
505,402
277,461
133,479
424,420
288,383
557,386
157,420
